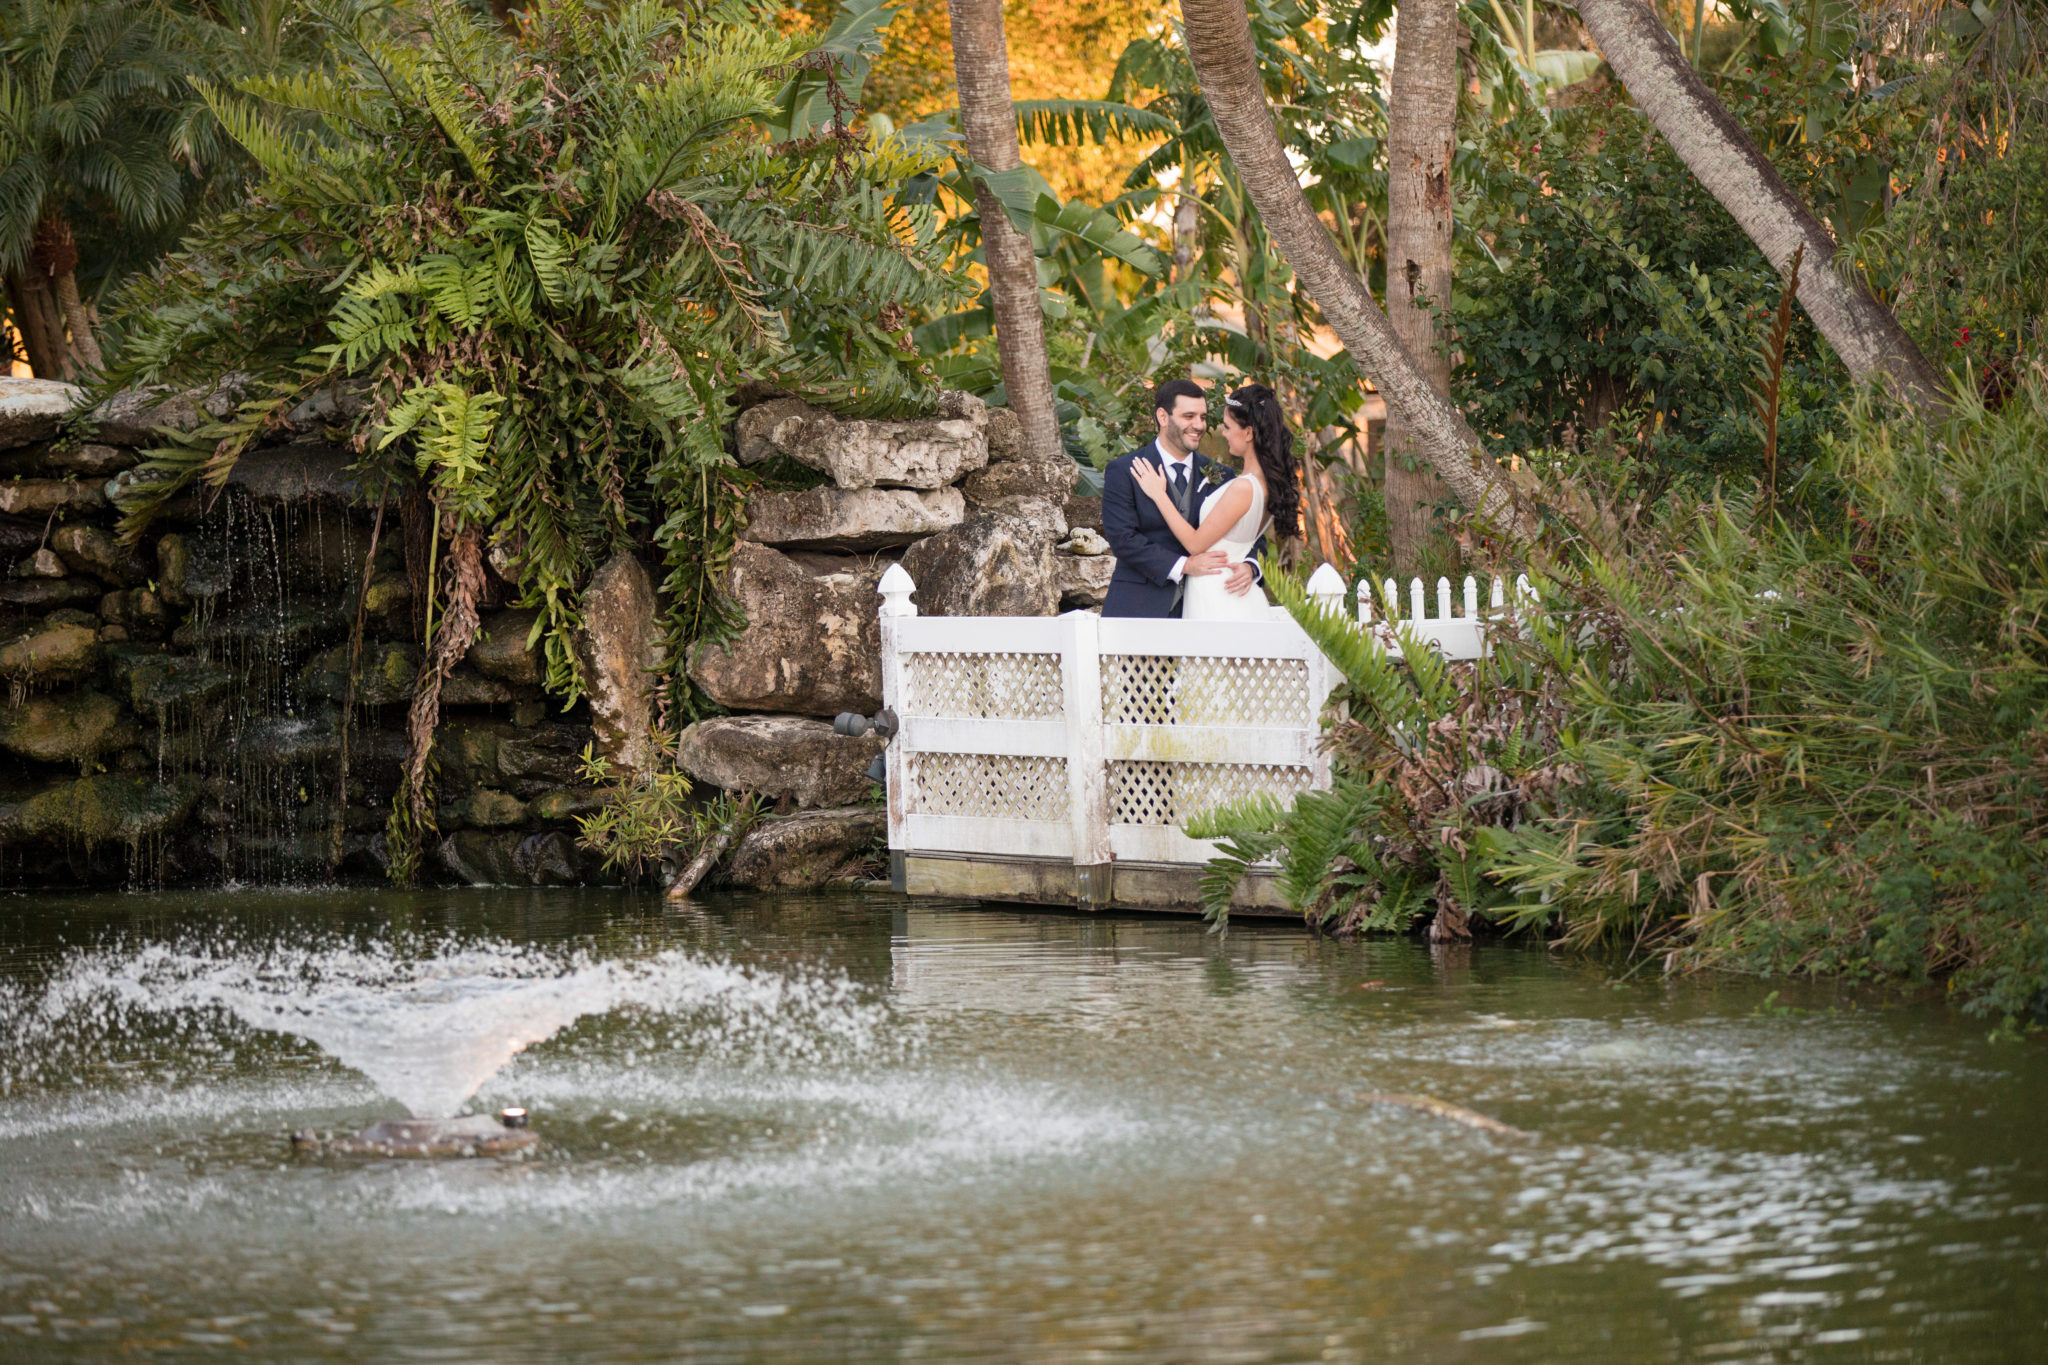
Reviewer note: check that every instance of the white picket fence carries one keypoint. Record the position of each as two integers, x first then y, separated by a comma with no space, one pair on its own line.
1092,741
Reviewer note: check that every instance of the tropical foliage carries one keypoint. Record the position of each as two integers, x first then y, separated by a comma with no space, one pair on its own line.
543,261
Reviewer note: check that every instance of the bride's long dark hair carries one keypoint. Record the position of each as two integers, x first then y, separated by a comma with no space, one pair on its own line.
1258,407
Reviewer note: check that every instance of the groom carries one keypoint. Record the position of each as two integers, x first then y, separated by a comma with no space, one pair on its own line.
1150,565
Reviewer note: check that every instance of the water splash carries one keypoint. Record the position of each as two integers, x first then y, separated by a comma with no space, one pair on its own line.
428,1029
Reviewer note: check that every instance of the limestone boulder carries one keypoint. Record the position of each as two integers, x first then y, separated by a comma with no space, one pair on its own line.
1005,436
928,452
50,497
52,655
1081,511
619,652
43,563
137,417
995,565
1083,541
466,687
851,518
90,461
65,727
337,404
90,549
1031,484
806,849
1082,580
31,409
780,756
1017,481
812,644
500,651
298,473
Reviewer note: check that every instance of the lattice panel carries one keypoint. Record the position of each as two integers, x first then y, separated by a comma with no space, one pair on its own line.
1145,793
983,686
990,785
1161,689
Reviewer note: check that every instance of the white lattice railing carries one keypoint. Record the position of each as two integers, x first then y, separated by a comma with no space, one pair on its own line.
1095,740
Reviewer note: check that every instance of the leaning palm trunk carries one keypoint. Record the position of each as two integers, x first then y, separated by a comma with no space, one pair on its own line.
1422,112
1717,150
1220,43
38,323
981,70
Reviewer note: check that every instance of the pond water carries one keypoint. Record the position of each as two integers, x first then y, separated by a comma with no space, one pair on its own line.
858,1127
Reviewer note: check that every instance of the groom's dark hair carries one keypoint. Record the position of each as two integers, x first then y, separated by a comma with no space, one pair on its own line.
1163,399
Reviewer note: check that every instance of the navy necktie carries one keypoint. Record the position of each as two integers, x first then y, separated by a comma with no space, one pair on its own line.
1180,485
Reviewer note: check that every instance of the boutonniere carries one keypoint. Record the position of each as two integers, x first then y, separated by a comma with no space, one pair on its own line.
1215,475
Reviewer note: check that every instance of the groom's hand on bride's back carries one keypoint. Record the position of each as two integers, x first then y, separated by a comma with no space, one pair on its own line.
1208,561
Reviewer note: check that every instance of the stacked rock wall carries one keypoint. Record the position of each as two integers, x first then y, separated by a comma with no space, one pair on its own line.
976,519
176,711
173,711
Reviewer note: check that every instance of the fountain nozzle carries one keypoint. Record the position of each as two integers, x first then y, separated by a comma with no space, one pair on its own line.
513,1117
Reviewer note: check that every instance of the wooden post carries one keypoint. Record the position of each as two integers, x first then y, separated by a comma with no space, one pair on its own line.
1087,769
895,589
1326,586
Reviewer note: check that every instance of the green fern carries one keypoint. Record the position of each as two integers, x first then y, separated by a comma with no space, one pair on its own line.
551,297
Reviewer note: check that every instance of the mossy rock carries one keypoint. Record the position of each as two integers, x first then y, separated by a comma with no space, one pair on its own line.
489,808
387,672
161,685
105,809
568,802
71,727
54,654
510,858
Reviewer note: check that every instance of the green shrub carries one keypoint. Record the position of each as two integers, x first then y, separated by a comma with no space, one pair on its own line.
1727,740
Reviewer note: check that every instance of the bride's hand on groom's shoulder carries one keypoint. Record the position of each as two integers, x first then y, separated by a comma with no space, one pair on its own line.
1148,477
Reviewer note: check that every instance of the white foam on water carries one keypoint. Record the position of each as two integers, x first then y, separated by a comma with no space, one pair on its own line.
428,1029
182,1106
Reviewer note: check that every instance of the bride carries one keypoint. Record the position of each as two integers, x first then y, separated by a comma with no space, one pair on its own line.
1234,514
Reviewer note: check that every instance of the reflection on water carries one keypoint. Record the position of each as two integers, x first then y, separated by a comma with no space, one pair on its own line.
854,1127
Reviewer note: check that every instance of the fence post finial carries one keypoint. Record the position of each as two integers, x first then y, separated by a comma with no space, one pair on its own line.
895,588
1326,586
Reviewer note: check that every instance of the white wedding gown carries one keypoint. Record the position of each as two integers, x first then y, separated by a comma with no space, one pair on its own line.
1207,599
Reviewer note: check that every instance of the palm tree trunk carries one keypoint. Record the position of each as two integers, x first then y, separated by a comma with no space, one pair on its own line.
84,348
53,256
38,322
1220,44
1422,111
981,72
1736,172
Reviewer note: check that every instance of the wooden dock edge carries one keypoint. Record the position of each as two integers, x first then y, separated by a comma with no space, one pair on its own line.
1174,888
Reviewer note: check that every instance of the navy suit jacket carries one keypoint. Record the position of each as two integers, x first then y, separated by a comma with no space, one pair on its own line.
1143,543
